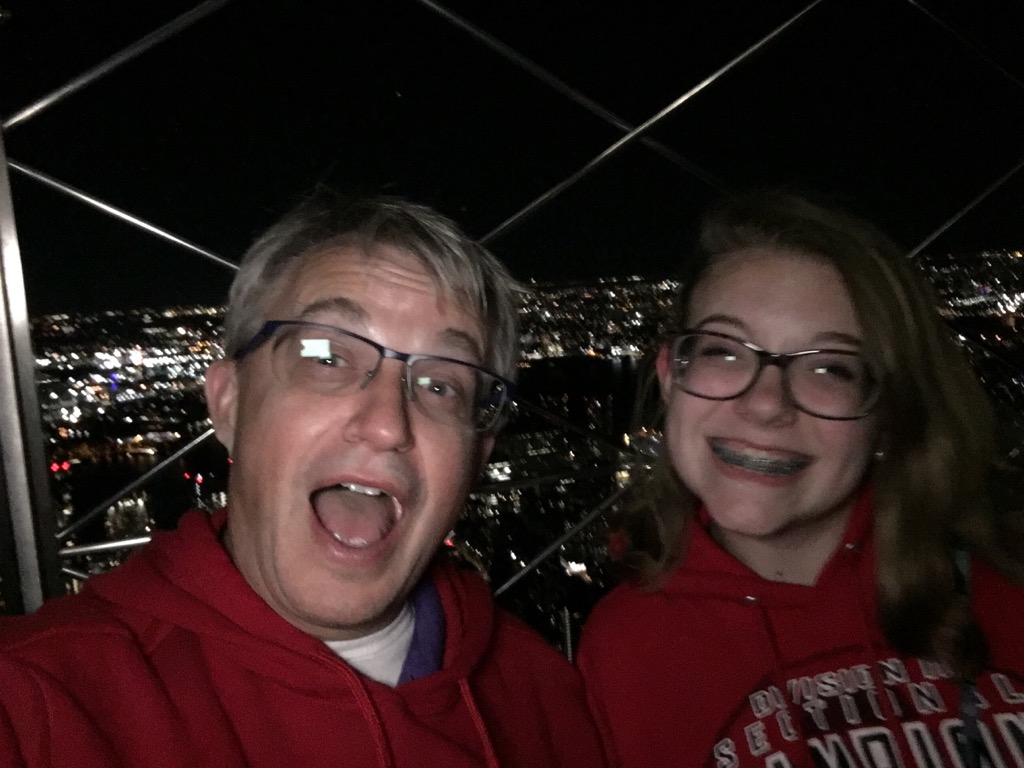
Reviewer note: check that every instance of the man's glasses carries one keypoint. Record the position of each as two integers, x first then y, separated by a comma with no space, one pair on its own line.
827,383
332,361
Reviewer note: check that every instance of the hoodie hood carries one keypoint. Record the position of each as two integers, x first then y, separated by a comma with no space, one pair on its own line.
185,582
788,625
720,667
187,579
708,570
172,659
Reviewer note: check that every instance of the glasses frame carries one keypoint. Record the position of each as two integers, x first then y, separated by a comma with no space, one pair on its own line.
782,360
270,327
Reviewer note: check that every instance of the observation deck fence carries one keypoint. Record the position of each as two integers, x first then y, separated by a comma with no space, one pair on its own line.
34,555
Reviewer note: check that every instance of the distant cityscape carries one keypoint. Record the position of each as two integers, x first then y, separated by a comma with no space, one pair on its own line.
982,298
121,391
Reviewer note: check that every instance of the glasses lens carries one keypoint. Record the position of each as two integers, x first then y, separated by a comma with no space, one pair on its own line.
493,397
455,393
325,360
836,385
319,359
711,366
829,384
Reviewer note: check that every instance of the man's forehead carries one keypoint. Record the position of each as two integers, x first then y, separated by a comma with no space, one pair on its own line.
351,260
343,282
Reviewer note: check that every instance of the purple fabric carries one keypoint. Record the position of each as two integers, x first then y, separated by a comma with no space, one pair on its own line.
426,652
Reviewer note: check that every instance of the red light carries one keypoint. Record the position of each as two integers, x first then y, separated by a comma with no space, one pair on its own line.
449,543
199,479
54,467
66,466
188,476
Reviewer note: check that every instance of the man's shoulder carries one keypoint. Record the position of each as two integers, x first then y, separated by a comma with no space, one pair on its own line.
66,624
120,602
71,676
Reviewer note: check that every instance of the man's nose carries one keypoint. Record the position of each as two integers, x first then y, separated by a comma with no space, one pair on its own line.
380,409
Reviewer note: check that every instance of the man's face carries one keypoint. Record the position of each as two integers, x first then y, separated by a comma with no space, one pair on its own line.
338,502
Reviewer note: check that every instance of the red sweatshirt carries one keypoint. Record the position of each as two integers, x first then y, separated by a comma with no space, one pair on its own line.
723,668
173,660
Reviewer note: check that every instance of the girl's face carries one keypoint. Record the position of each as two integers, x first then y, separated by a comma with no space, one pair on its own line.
764,469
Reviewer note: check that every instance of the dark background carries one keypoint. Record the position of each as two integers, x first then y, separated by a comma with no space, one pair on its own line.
903,111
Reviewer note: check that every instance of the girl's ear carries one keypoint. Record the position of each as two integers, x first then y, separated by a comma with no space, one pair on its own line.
664,368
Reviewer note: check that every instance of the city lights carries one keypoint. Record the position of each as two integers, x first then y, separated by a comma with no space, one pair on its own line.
120,391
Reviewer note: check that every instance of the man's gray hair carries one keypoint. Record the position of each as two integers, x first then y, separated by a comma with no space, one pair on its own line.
465,272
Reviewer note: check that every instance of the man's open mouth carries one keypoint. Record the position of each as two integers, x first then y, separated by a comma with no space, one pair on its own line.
355,515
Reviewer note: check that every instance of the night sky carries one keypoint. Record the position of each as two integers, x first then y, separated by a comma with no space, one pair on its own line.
902,111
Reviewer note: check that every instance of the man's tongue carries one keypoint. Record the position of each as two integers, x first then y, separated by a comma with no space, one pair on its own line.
353,518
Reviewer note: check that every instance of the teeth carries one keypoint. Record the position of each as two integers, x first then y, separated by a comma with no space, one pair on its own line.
357,543
366,490
766,465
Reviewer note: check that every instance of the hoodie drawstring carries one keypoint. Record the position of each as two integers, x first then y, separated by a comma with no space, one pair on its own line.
850,554
369,712
969,714
478,723
778,674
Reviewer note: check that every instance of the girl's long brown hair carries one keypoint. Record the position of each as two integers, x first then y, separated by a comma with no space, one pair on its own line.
936,429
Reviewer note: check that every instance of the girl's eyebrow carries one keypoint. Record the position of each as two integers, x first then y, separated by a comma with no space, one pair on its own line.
818,339
838,337
724,319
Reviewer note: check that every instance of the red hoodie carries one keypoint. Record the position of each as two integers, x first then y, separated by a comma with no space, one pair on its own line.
723,668
173,660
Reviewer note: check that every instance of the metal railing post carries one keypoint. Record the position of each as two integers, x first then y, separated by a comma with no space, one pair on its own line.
28,529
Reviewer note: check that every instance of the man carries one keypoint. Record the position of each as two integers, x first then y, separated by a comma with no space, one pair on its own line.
369,351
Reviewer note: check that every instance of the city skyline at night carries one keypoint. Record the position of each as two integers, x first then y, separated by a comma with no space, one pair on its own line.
121,390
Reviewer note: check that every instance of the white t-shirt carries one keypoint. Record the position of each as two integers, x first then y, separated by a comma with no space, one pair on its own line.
380,655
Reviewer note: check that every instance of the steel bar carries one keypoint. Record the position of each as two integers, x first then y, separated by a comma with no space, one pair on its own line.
32,521
975,48
136,483
554,546
105,546
566,617
109,65
966,209
572,94
119,213
75,573
641,129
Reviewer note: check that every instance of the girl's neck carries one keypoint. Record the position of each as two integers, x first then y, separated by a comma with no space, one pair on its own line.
795,555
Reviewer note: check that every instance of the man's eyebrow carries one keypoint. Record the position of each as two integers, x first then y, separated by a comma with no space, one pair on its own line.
464,341
338,304
459,340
